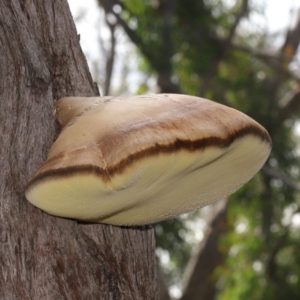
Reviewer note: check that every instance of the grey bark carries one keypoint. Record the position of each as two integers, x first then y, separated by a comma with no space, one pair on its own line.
45,257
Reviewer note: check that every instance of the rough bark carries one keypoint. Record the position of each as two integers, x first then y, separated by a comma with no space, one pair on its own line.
45,257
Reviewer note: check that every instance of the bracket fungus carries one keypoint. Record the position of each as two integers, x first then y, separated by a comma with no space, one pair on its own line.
139,160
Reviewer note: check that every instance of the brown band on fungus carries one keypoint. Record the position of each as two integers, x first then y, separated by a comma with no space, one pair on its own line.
107,173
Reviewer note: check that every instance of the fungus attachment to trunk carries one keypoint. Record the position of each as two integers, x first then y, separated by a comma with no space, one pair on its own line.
142,159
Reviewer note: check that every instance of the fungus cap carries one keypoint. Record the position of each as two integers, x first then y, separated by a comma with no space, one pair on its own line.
143,159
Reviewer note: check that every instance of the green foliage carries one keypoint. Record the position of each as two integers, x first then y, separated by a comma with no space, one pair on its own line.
172,42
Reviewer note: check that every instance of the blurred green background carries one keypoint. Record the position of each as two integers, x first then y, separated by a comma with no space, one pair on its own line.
247,246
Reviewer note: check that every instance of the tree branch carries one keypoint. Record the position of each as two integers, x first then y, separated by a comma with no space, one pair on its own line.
108,6
221,53
277,175
291,101
164,79
163,288
290,105
292,40
110,58
200,283
275,60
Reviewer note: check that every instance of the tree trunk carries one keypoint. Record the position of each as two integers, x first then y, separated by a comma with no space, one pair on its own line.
45,257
